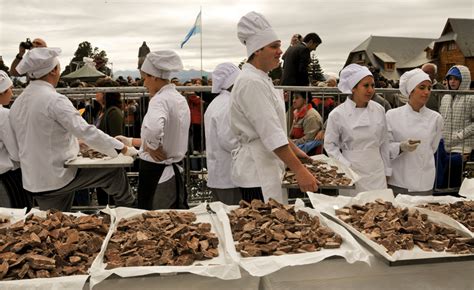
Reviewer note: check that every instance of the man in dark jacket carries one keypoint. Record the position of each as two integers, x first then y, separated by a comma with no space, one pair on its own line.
297,59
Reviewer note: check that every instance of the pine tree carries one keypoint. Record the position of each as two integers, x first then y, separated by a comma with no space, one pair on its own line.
314,69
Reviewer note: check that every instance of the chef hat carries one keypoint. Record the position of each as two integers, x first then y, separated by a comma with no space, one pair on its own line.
410,79
161,63
351,76
5,81
223,76
254,31
39,61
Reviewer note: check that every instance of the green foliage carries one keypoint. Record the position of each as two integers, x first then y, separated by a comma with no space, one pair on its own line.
315,71
84,49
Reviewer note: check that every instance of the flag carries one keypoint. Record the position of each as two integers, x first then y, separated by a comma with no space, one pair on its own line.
194,30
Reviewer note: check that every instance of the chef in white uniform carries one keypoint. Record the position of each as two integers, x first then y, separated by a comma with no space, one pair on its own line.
356,132
257,119
219,139
414,134
164,135
47,127
12,193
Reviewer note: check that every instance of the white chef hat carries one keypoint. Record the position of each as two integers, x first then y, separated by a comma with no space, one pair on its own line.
223,76
162,63
254,31
39,61
5,81
410,79
351,76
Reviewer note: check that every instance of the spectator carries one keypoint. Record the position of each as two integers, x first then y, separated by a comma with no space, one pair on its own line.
306,124
37,42
435,99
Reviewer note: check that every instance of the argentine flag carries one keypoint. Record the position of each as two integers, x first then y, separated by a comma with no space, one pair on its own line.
194,30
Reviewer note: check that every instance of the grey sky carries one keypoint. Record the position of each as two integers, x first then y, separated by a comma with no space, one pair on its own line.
120,26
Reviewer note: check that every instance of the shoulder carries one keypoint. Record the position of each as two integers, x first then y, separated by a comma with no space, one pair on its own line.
376,106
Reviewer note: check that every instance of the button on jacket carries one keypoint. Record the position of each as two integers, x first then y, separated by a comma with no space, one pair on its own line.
415,170
46,125
166,123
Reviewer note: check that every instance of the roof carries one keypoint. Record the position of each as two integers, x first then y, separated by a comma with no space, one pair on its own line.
460,30
400,49
384,57
86,71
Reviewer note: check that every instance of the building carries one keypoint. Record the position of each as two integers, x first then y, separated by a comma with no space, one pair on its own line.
454,46
391,55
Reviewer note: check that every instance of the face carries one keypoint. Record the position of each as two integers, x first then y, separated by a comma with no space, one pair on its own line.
453,83
294,39
149,83
312,45
269,56
6,96
364,90
421,93
298,102
100,98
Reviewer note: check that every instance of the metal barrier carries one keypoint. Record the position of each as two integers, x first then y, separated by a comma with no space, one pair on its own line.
195,162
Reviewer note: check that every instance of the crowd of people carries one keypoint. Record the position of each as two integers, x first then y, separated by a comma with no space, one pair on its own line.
244,120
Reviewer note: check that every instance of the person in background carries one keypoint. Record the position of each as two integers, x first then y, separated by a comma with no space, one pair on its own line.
356,132
219,139
37,42
47,127
257,119
307,122
164,135
12,193
435,99
414,134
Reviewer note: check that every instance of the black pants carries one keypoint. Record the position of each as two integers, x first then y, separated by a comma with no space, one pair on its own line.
248,194
19,197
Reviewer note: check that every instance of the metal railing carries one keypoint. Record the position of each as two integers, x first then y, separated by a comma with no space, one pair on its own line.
194,164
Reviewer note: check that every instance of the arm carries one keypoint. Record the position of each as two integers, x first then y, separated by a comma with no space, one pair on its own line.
225,137
311,126
468,131
9,140
306,181
333,140
114,121
65,114
304,60
154,123
438,134
394,146
16,61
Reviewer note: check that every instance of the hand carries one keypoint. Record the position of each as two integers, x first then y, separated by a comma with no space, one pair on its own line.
21,50
409,145
320,136
130,151
127,141
306,181
82,145
458,136
157,154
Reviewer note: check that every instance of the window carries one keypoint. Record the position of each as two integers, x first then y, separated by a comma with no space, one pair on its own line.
452,46
362,56
389,66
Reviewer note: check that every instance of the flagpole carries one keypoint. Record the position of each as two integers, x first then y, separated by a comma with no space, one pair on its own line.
200,12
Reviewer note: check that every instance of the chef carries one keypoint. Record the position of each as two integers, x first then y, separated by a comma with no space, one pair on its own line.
12,193
356,132
47,127
257,119
164,135
219,139
414,134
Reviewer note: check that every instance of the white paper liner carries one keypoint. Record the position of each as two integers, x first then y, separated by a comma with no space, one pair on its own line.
467,188
120,159
13,214
221,267
56,283
329,204
413,201
261,266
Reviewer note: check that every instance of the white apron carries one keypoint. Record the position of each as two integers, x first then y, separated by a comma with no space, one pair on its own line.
368,164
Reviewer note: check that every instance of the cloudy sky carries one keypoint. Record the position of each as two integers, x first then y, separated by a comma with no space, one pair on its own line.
120,26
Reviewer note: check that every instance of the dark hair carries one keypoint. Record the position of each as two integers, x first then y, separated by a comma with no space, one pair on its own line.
312,36
111,98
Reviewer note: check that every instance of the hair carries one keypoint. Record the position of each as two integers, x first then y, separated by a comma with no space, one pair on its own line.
312,36
431,64
111,98
298,36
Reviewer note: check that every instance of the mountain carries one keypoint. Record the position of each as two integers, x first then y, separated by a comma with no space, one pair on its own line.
183,76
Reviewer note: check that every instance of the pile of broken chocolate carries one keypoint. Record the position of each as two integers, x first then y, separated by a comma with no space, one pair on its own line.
157,238
264,229
327,175
462,211
396,228
58,245
91,153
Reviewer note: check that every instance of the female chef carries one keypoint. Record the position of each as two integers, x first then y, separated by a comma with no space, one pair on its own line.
414,134
356,132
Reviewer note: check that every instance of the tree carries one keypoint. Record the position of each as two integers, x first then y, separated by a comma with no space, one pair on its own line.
85,50
315,71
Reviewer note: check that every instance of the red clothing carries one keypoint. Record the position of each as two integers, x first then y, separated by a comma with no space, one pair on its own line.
195,102
298,131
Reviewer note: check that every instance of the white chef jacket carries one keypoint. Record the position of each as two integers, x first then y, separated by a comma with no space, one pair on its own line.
220,141
166,123
415,170
46,125
360,130
8,148
257,119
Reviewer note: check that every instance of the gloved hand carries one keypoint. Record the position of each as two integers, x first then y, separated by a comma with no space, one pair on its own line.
457,136
131,151
409,145
127,141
